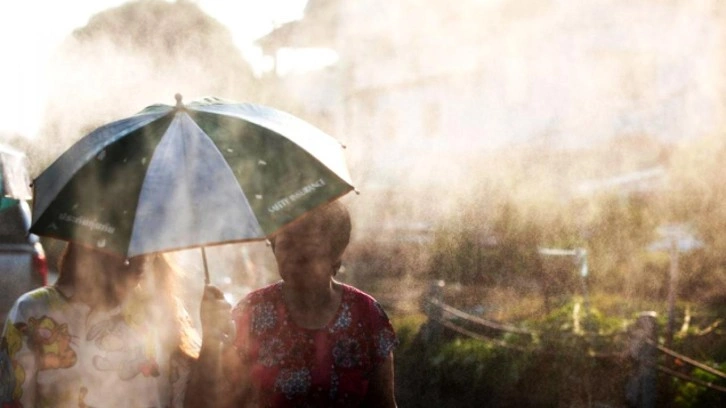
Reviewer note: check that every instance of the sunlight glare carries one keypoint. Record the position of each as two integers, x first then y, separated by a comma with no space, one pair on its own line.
31,30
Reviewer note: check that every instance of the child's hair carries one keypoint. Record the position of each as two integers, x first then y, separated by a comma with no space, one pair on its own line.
168,276
163,307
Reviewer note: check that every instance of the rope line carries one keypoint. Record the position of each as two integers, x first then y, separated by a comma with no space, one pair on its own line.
478,336
688,378
687,359
505,328
478,320
498,326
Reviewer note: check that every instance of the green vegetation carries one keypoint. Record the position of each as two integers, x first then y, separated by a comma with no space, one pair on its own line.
559,366
580,353
454,371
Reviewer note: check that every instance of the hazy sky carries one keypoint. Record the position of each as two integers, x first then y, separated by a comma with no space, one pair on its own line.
31,29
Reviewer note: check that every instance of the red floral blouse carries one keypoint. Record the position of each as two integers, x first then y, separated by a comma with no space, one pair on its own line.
293,366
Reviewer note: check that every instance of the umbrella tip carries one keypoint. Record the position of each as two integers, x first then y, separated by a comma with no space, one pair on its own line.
178,98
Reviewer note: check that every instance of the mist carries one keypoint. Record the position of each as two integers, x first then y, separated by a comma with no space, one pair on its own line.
477,132
125,59
139,54
450,113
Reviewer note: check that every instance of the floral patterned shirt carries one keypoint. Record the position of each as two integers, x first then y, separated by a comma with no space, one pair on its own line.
57,353
291,366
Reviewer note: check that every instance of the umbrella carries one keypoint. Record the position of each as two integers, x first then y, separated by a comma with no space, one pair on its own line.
191,175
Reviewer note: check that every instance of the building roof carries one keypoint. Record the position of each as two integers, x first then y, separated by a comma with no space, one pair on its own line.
315,29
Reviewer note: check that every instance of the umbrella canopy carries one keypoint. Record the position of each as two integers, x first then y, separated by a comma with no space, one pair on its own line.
174,177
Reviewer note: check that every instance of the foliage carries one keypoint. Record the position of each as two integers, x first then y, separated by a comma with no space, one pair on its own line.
458,373
493,237
622,228
407,327
689,394
562,365
589,319
557,370
504,252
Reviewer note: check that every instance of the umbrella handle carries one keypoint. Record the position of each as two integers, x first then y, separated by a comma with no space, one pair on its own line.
206,269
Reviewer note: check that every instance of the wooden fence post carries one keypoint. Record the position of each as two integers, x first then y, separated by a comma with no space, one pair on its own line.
642,385
433,299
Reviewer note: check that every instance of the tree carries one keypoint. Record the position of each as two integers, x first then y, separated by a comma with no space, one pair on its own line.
132,56
696,198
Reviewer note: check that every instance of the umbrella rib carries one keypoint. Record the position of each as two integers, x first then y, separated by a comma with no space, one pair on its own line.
317,143
190,196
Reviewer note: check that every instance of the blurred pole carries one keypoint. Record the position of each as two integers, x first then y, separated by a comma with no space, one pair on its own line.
582,260
641,391
433,299
672,292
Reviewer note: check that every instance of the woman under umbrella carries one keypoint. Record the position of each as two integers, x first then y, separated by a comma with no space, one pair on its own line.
308,340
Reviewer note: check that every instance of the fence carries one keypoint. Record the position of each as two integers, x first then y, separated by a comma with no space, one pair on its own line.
641,345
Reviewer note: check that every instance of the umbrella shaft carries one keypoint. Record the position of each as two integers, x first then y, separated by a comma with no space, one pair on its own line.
206,268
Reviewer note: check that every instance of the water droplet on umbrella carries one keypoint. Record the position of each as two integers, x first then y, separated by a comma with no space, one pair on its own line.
143,160
258,196
101,155
230,150
262,163
101,243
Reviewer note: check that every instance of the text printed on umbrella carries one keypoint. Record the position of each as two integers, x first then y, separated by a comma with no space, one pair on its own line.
279,205
91,224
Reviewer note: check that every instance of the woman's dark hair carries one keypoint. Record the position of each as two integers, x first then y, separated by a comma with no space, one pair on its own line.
331,222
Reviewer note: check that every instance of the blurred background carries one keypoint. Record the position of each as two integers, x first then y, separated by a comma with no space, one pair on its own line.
520,159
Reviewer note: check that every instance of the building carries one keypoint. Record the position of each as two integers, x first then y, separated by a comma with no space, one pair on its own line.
423,91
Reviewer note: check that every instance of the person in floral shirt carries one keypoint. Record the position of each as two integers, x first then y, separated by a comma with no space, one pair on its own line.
108,333
309,340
